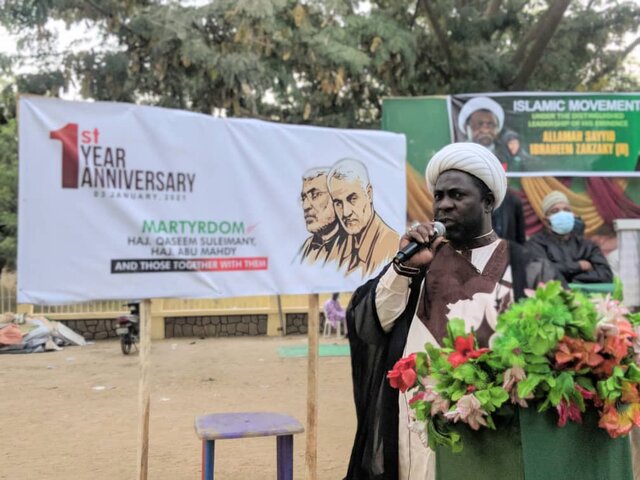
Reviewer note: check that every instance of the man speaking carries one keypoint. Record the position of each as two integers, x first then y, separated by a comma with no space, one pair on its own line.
470,273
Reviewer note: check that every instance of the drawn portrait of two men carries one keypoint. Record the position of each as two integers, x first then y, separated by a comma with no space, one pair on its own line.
337,204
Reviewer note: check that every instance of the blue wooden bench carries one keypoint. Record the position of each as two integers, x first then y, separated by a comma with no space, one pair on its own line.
222,426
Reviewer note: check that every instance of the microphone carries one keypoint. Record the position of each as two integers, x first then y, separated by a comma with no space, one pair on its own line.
414,247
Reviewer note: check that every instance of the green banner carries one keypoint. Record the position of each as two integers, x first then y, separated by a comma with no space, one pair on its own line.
555,134
425,123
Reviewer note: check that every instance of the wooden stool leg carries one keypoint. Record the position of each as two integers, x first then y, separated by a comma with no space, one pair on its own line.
208,454
285,457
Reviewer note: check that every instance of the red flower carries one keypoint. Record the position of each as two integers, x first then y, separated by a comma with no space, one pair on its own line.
403,375
420,396
616,346
568,411
589,395
630,393
464,351
619,423
577,353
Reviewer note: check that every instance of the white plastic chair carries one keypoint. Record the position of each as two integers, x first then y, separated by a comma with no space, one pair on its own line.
328,327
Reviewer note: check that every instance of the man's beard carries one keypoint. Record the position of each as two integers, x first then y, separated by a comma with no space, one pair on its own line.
463,233
486,141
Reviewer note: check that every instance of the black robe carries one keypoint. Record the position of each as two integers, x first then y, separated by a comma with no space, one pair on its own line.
374,352
508,219
565,254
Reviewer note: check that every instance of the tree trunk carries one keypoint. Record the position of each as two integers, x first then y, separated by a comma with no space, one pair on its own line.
544,30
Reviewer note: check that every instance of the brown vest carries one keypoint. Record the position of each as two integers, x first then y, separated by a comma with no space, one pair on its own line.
451,278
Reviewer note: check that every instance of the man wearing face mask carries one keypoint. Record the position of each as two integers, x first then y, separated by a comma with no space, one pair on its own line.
578,260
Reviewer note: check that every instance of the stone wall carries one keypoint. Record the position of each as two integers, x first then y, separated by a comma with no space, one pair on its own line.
212,326
93,329
297,323
218,326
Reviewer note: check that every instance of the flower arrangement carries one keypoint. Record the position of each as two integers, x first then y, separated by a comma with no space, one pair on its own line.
555,349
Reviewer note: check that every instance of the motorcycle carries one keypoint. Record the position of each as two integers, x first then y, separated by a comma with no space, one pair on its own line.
128,328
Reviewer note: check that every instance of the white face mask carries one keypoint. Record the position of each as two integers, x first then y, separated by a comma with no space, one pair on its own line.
562,222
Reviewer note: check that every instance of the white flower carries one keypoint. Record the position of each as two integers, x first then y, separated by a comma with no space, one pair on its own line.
439,405
469,410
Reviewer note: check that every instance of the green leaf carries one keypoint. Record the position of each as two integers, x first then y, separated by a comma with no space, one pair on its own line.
458,393
456,328
422,410
422,364
586,383
439,432
617,290
483,396
611,388
526,386
634,318
466,372
490,423
633,373
498,396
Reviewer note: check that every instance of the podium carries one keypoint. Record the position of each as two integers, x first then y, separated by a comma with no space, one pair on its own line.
530,446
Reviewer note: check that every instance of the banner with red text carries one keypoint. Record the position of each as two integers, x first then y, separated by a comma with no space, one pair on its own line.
119,201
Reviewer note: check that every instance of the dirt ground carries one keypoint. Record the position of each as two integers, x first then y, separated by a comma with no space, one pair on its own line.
73,414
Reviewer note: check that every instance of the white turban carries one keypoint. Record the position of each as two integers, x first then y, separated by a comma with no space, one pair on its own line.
480,103
551,199
473,159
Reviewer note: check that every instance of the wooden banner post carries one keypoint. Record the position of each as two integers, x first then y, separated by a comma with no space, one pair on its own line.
143,389
311,453
283,319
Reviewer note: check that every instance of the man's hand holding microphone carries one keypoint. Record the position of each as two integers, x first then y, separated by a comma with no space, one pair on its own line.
417,247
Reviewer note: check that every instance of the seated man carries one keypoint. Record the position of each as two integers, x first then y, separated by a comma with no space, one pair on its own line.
578,260
334,313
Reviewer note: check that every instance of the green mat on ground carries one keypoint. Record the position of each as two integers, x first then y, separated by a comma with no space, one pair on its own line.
326,350
593,287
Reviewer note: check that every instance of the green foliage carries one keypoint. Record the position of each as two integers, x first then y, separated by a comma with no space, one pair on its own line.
617,289
611,388
322,62
555,349
535,325
8,194
583,315
439,433
455,328
492,398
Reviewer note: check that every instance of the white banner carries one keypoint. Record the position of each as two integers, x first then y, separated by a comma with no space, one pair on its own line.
119,201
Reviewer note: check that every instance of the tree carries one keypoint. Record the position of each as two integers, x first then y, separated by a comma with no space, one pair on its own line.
515,45
328,62
274,59
8,194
